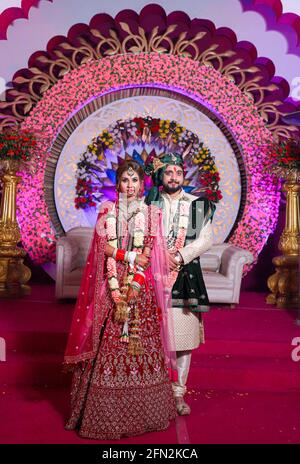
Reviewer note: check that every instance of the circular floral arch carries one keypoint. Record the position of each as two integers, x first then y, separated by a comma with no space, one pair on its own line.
163,136
199,82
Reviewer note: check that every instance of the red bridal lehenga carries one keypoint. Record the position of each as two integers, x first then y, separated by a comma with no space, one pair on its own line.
113,393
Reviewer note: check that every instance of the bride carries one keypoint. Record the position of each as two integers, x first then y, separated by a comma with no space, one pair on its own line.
119,346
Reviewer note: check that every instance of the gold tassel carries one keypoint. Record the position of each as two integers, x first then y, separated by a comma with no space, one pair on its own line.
135,347
121,313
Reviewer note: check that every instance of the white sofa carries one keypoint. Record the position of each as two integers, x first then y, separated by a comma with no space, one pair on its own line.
222,266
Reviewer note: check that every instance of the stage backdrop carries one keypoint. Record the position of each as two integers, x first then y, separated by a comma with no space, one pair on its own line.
249,215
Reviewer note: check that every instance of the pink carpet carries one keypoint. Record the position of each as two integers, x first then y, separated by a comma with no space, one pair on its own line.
244,386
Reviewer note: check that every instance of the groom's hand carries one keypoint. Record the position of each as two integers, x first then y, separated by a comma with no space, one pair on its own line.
173,264
142,260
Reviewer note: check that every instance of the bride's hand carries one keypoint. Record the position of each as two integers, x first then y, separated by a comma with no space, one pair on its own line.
142,260
132,294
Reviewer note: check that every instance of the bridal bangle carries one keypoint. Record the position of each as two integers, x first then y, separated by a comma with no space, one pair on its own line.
123,255
120,255
138,280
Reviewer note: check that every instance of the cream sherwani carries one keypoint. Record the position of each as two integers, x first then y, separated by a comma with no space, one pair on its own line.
188,326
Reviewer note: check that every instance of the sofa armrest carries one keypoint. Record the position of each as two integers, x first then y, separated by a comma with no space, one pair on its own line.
233,260
66,257
66,253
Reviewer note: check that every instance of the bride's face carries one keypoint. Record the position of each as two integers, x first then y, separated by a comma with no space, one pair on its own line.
130,184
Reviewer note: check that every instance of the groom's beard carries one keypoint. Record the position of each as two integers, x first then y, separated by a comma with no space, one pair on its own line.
172,189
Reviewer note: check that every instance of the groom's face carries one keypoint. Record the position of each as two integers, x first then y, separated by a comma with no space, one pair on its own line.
173,178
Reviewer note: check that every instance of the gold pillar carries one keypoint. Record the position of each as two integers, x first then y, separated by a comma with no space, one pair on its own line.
284,284
13,273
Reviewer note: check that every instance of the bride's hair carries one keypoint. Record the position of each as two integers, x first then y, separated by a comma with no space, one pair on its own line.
125,166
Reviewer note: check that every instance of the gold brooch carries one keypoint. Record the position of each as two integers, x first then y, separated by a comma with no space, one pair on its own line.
157,164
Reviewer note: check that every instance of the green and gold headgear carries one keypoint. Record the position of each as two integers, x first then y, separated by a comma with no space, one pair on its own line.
156,168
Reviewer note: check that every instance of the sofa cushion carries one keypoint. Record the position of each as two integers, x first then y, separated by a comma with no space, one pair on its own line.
210,262
215,280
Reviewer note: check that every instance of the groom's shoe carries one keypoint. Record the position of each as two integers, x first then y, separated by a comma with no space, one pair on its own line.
182,407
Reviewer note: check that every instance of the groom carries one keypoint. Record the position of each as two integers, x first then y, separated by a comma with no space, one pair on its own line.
191,216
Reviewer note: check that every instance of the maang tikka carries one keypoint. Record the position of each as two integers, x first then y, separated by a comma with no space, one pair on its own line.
131,171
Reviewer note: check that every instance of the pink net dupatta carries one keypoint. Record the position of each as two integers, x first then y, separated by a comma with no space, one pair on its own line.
89,315
160,275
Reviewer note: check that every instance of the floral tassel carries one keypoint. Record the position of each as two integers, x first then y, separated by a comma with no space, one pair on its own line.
125,337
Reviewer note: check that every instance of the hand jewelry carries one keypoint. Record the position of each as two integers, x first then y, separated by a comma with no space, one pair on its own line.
178,258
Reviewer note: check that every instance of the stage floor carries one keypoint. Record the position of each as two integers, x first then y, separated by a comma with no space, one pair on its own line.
244,386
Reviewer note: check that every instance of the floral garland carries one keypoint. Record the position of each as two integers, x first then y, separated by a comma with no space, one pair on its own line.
138,243
119,294
180,229
165,134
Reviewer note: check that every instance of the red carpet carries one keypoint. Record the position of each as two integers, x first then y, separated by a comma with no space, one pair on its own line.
244,386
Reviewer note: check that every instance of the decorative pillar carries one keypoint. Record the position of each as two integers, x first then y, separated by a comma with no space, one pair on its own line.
284,284
13,273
